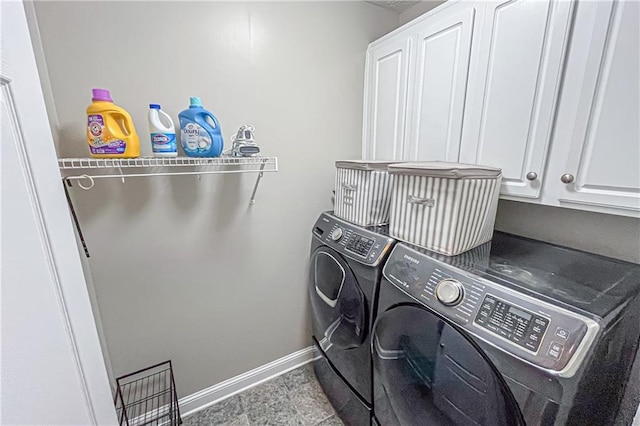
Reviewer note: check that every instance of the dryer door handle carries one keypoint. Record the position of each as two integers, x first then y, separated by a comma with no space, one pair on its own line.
326,299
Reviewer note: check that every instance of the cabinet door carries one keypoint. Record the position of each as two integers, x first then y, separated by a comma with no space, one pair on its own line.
385,103
442,64
602,92
515,81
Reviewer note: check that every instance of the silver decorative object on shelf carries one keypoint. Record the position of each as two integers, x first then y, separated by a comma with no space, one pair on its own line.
244,144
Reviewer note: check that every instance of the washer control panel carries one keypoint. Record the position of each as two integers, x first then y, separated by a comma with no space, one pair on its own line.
353,241
534,330
360,244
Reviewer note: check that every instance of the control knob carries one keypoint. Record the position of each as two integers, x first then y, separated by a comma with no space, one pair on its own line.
336,234
449,292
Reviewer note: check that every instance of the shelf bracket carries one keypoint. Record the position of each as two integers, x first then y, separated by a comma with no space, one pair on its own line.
67,182
255,187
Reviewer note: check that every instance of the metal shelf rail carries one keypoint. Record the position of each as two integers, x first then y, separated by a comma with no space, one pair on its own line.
164,166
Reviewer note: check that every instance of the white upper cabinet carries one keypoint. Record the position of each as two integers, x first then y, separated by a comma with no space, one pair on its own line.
438,92
600,109
514,84
547,90
385,104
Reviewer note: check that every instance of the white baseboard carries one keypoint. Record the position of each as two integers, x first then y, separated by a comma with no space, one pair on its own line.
216,393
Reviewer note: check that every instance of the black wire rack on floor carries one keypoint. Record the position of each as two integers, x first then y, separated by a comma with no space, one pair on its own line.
148,397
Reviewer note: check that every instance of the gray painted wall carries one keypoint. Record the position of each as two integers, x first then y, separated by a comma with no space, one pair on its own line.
186,269
609,235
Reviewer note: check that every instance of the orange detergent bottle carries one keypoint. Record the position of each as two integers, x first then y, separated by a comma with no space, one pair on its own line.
110,130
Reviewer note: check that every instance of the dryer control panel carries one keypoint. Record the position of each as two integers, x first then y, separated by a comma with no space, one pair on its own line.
512,322
357,243
546,335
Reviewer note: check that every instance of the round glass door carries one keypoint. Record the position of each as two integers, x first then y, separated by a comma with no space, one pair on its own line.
339,306
428,372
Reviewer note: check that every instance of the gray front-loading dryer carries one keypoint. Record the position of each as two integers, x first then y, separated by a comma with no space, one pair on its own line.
345,271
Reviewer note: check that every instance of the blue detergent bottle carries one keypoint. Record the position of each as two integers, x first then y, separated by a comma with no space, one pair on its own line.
200,134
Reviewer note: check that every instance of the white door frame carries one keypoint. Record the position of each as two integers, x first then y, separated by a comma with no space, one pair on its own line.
20,87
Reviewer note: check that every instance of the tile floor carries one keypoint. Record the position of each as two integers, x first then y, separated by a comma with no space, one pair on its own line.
295,398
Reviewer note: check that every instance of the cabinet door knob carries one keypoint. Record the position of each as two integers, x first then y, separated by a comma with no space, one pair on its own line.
567,178
532,176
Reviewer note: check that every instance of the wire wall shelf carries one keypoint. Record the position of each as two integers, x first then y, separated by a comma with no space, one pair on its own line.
91,169
85,171
149,162
148,397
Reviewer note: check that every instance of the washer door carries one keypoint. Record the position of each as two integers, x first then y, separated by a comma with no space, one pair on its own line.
339,306
426,371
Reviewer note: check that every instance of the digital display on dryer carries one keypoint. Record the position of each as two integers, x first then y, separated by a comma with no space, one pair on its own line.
512,323
519,313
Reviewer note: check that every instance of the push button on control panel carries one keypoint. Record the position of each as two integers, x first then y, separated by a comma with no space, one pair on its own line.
555,350
562,333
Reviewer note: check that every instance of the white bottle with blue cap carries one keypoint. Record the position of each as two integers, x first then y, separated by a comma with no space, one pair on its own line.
163,133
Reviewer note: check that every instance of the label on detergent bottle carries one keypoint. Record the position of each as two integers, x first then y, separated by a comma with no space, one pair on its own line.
163,142
195,138
101,140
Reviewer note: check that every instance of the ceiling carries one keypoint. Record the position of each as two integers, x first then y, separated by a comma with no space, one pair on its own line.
398,6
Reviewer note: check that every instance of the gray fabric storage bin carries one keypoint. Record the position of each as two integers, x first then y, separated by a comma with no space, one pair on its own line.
448,208
363,192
